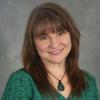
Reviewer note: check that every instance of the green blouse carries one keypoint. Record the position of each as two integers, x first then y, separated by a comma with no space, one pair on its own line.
20,86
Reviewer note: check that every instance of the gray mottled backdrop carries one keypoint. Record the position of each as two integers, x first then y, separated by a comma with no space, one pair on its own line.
13,18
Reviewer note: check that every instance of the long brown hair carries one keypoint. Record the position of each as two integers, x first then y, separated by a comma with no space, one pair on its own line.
52,17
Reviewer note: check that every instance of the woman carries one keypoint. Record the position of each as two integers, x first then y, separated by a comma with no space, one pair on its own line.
50,56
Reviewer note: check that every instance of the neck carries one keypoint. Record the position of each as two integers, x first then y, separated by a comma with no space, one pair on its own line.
56,69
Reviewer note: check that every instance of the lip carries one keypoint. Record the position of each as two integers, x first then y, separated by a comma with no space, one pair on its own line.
55,52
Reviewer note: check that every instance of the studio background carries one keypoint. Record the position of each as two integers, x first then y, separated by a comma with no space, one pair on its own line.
13,18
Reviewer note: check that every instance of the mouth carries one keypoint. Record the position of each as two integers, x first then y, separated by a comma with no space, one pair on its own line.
56,52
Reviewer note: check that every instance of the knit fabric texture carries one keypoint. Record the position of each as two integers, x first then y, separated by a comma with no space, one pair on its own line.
20,86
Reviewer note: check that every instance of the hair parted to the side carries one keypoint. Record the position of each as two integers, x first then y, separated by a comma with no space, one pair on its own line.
52,17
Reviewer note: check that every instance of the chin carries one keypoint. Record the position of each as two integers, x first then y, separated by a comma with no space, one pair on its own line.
56,61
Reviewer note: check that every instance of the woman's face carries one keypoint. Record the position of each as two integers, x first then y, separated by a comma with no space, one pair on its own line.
53,47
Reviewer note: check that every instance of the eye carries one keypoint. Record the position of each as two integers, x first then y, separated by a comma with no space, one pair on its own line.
62,32
43,37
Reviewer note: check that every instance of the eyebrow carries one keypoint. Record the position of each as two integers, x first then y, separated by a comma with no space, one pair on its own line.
39,34
45,33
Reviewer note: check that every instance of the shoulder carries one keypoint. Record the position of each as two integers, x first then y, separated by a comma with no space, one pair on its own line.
20,74
90,79
21,77
91,90
20,86
89,76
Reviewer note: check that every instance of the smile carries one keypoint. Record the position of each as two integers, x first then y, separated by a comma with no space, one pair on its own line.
56,52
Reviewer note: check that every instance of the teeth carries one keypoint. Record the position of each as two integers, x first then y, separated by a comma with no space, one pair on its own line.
55,52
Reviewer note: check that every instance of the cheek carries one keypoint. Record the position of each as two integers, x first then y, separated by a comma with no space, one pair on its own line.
66,40
69,42
41,47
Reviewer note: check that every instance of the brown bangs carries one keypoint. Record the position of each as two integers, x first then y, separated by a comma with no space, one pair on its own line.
48,21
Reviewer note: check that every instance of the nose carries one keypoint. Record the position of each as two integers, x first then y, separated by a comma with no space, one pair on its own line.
54,42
